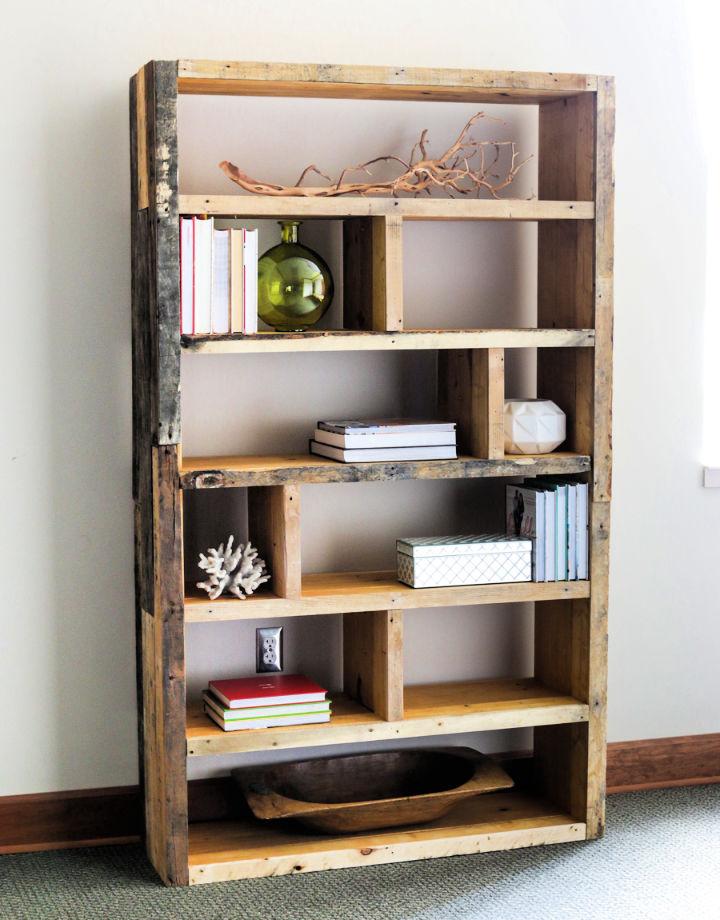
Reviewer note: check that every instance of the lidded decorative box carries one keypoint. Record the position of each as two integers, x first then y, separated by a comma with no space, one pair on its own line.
481,559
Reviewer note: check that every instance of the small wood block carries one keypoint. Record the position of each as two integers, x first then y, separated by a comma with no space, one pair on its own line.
373,661
372,279
471,392
274,528
141,140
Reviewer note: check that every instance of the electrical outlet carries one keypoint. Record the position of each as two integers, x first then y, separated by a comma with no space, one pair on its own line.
268,649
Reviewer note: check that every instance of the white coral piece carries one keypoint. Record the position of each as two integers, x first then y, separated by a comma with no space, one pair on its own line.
239,573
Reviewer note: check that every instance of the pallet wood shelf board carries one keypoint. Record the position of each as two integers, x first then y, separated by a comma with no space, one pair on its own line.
224,850
232,472
352,81
430,709
407,340
351,592
260,207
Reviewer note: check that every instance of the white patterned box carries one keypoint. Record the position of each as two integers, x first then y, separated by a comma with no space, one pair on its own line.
481,559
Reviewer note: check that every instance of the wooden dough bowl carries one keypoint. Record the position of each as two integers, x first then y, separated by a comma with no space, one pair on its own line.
365,792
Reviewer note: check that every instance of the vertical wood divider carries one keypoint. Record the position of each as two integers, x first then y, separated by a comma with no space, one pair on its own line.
471,392
575,290
387,257
274,528
373,274
373,661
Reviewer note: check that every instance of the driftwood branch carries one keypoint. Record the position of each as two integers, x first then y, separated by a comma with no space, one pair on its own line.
463,169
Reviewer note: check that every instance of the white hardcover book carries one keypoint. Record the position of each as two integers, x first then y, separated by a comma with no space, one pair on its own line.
376,426
237,278
583,568
400,439
376,455
572,531
220,308
202,285
525,517
187,271
250,271
550,541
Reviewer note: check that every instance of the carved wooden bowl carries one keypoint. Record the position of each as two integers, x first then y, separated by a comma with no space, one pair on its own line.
363,792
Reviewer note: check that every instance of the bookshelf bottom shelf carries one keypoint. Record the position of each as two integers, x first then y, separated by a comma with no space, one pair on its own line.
225,850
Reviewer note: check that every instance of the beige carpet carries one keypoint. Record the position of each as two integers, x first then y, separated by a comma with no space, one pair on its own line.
660,860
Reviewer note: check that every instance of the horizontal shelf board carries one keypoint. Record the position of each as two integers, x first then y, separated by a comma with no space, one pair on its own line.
430,709
409,340
224,850
341,81
227,472
349,592
268,206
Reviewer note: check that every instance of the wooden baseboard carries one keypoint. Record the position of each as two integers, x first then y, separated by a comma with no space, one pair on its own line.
659,763
98,817
78,818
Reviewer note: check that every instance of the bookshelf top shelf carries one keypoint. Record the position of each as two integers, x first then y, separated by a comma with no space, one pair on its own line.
260,206
339,81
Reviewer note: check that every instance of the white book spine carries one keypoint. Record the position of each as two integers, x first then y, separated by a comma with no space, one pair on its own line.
220,316
561,528
582,531
550,542
250,269
187,269
400,439
572,532
203,275
237,280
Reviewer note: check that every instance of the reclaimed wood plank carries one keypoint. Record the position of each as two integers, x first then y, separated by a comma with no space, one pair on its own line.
350,592
227,472
274,528
223,850
354,338
258,206
373,82
431,709
373,661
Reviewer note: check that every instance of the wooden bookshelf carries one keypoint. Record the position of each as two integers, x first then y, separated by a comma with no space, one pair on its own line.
564,701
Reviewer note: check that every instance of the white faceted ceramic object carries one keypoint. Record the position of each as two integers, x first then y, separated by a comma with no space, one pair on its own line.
533,426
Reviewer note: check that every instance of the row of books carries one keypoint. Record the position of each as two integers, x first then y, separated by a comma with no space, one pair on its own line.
368,440
218,278
266,701
553,513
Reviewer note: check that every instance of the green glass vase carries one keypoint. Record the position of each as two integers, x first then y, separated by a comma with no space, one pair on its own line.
295,287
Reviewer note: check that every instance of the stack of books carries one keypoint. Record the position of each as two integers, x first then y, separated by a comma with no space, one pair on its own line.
368,440
266,701
553,513
218,278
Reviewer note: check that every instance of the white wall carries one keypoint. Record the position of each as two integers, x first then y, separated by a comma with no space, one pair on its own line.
66,646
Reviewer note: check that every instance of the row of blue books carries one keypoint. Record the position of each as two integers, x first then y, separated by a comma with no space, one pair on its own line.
553,513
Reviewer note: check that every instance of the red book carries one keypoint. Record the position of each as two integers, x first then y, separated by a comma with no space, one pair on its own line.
268,689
